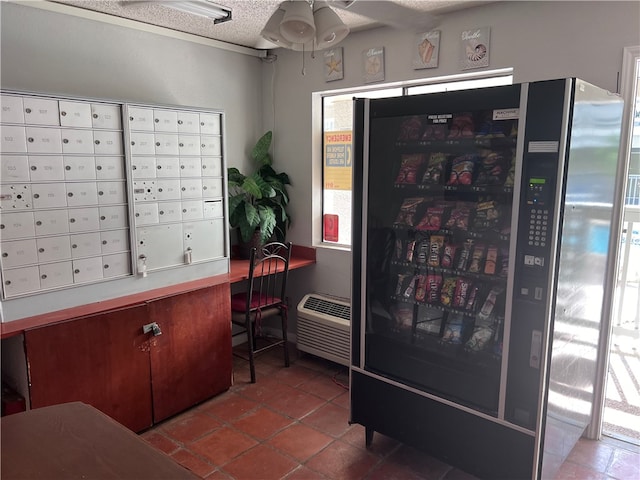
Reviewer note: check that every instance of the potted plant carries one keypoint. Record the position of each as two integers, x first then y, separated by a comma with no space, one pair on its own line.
257,202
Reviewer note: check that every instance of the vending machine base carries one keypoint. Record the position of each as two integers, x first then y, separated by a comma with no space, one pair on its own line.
478,446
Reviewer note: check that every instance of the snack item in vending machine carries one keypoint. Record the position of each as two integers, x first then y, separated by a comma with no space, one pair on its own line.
471,301
408,211
411,129
421,287
422,251
463,287
435,168
411,244
511,174
435,131
401,282
504,261
410,164
448,291
491,169
491,261
409,287
403,316
454,328
489,216
462,126
477,258
480,338
485,324
465,254
490,128
436,245
449,255
432,219
462,169
434,286
459,218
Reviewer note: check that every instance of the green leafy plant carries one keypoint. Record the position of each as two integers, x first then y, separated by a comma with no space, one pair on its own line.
259,200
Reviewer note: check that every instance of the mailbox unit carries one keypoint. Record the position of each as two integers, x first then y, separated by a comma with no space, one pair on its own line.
63,194
92,190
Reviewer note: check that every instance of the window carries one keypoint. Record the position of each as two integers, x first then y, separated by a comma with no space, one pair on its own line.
337,127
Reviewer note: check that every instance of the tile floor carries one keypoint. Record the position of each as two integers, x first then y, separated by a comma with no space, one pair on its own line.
293,424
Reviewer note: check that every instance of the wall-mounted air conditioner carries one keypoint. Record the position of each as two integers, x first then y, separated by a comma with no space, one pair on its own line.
323,327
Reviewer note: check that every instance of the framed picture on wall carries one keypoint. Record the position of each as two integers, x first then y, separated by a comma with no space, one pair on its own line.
333,64
474,48
426,47
373,64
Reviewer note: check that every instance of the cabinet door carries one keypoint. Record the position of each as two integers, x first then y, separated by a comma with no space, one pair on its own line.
191,360
102,360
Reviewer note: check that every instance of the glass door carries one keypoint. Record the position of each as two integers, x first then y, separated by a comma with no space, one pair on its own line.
621,417
439,197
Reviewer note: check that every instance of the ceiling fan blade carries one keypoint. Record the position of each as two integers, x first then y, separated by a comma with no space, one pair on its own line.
390,14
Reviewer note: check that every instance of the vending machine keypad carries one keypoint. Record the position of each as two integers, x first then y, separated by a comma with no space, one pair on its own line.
538,227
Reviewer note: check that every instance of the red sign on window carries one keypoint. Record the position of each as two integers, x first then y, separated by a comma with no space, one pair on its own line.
330,227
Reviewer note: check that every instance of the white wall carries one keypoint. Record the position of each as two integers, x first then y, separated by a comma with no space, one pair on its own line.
62,54
50,52
540,40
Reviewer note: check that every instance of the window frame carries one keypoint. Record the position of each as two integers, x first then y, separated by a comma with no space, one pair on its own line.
444,83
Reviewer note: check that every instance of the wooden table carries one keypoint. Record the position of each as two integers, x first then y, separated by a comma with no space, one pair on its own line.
76,441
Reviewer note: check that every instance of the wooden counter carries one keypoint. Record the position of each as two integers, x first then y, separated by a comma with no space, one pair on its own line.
300,257
75,440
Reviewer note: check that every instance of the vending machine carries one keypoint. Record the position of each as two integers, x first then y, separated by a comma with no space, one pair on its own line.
482,241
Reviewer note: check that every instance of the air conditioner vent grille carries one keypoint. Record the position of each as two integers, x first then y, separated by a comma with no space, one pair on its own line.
328,308
323,327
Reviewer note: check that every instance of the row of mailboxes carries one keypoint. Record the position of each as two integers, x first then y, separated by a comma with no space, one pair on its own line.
36,278
169,245
143,143
176,189
44,111
164,167
16,253
178,211
175,121
21,196
18,139
16,225
34,168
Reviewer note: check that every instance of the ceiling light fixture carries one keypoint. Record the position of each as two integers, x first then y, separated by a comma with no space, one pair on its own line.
304,25
202,8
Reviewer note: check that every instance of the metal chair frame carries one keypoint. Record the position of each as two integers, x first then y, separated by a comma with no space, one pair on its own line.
265,297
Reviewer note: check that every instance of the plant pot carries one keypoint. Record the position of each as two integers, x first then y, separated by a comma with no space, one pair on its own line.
244,248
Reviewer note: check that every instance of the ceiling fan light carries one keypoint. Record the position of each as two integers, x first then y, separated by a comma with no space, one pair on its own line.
330,30
271,30
297,24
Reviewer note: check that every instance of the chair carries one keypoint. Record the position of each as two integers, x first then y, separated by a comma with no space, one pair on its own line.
265,297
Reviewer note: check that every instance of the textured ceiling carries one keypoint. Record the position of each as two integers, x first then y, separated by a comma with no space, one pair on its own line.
250,16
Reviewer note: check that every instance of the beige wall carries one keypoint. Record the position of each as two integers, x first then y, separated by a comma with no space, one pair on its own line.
539,40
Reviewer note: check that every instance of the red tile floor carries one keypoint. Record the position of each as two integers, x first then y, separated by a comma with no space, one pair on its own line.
293,424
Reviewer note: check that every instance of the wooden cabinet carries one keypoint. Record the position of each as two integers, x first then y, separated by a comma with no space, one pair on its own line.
191,361
138,379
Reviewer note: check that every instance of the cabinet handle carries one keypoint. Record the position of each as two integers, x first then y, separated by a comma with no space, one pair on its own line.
153,328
